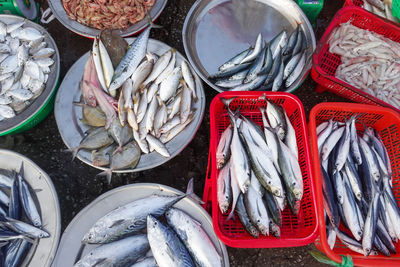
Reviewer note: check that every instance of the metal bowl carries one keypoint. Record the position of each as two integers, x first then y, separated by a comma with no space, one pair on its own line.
59,12
47,202
71,249
216,30
41,106
72,129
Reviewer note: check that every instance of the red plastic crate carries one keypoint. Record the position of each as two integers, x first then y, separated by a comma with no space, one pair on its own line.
325,63
359,3
295,231
387,123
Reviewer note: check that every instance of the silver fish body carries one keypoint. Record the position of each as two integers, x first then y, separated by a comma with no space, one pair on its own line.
196,240
120,253
167,249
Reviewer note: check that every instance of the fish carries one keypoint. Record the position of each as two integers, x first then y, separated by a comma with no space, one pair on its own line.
92,116
99,139
102,157
170,67
185,104
257,49
159,66
132,58
166,137
297,70
224,192
189,79
24,228
223,149
257,211
244,218
240,161
120,253
27,201
193,236
146,262
170,84
278,43
128,157
235,60
167,249
157,145
131,217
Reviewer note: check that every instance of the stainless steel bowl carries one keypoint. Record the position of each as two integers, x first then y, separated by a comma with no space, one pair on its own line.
47,201
35,112
59,12
216,30
71,248
72,129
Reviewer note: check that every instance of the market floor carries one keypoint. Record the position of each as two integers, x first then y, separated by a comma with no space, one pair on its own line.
76,183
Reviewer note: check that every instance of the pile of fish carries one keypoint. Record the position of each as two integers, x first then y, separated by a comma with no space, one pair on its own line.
382,8
134,235
137,107
271,66
369,61
357,188
112,14
25,62
20,221
259,170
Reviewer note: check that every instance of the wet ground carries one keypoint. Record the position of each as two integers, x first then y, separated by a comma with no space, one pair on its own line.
77,184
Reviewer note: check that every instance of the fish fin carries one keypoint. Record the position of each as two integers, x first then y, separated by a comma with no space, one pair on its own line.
101,262
74,152
117,150
118,222
21,170
78,103
107,173
152,24
190,193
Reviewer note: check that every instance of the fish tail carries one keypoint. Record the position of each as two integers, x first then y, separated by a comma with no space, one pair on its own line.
107,173
152,24
74,152
231,216
190,193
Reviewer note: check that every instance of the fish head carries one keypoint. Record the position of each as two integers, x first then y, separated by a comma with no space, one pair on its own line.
224,206
94,236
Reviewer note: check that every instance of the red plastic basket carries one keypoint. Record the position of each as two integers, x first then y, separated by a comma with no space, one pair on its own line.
325,63
295,231
387,123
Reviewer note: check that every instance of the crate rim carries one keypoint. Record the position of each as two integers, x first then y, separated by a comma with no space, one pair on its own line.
323,245
214,206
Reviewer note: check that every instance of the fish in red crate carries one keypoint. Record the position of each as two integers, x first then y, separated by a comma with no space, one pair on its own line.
259,173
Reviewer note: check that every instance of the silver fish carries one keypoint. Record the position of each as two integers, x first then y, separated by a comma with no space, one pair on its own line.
196,240
166,137
159,66
224,192
223,149
167,249
157,145
255,52
189,78
120,253
170,84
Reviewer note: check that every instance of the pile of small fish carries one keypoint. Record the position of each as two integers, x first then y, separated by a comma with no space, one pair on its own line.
183,242
259,171
155,99
369,61
382,8
357,188
20,221
274,66
25,62
107,14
